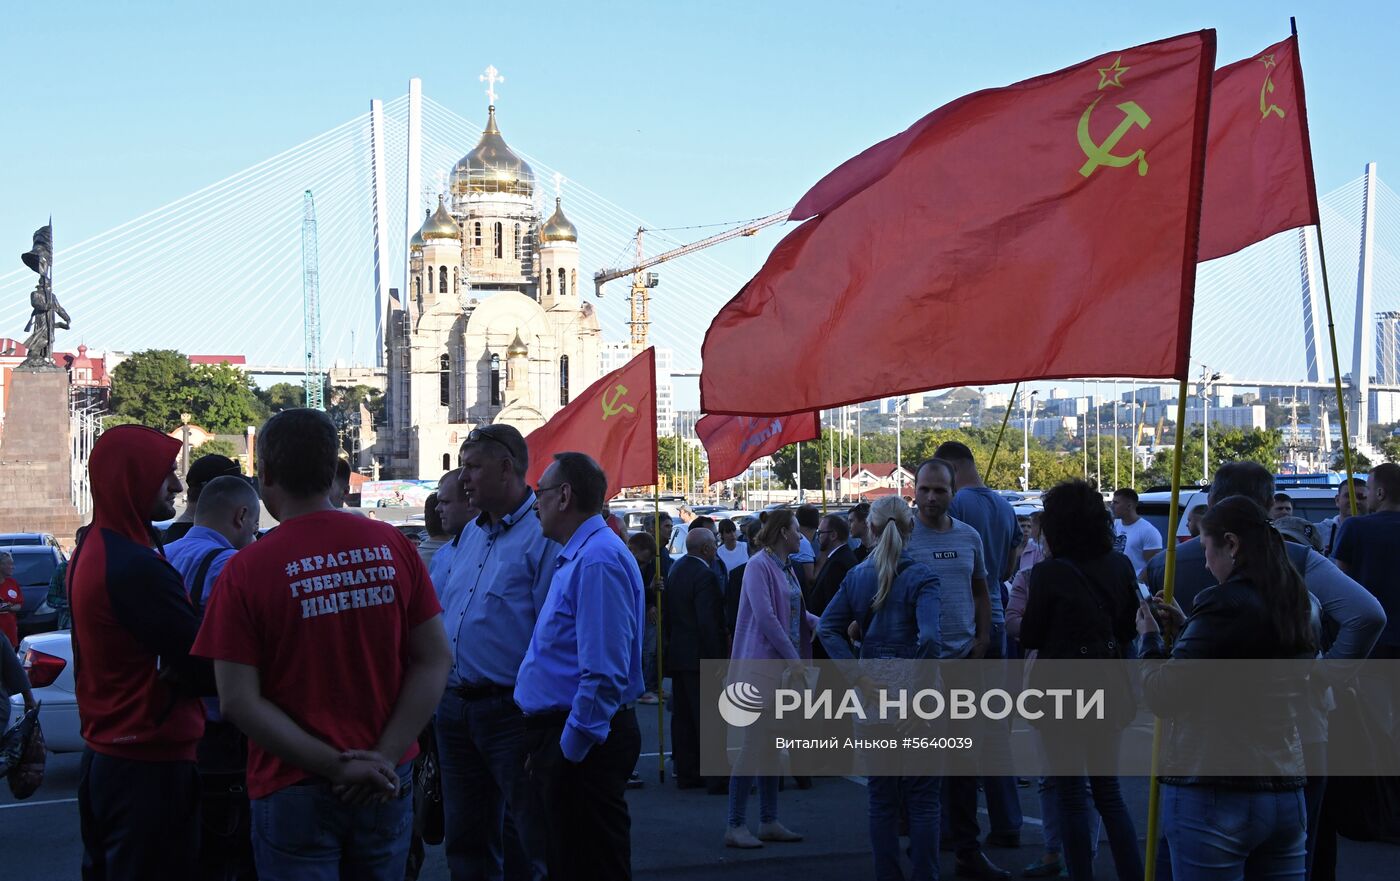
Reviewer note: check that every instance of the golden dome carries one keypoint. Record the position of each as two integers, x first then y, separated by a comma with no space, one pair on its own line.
440,224
518,347
558,228
492,167
416,243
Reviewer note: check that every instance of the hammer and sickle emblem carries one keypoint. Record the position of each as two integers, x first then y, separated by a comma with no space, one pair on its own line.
612,407
1267,107
1102,154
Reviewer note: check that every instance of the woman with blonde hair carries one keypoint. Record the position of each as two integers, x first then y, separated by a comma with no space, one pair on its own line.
773,624
893,601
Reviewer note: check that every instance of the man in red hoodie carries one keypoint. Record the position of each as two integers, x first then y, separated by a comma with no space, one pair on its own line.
133,625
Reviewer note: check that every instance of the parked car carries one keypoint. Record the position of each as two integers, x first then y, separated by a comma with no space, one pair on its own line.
1313,503
17,539
48,659
34,566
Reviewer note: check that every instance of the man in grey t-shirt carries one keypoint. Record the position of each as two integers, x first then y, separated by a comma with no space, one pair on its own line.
953,550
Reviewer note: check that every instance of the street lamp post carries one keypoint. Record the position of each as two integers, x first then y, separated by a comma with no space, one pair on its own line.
899,447
1027,411
184,444
1207,381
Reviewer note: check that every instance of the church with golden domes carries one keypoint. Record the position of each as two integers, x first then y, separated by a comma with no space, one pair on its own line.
492,327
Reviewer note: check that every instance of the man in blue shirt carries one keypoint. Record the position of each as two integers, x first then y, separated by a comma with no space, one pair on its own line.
500,575
225,522
456,516
579,680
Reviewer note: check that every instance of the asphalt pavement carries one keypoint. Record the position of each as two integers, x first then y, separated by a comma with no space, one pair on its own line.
675,834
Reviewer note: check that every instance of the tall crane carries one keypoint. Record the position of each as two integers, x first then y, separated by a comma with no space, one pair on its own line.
311,296
643,281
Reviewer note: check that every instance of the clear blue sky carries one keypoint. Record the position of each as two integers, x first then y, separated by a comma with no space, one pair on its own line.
685,113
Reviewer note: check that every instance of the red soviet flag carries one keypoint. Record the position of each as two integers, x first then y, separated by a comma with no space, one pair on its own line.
1259,175
1043,230
733,443
613,420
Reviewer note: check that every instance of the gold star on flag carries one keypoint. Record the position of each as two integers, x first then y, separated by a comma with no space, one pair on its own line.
1109,76
1268,60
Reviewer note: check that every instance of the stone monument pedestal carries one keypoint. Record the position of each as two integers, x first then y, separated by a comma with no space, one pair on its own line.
36,456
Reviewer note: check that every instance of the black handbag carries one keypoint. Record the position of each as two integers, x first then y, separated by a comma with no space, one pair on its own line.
22,755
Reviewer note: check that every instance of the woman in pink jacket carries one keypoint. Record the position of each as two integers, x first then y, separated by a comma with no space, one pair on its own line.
773,625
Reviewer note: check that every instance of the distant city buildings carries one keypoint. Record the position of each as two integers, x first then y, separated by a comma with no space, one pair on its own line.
1387,349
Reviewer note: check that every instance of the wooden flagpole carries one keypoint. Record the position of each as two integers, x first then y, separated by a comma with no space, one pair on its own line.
660,688
1154,788
1327,299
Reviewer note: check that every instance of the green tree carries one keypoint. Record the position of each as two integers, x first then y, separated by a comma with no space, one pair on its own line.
1360,462
156,386
282,396
1390,449
153,388
216,447
1232,445
785,464
675,459
224,399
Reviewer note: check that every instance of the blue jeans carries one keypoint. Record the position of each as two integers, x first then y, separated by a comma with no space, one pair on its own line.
1050,811
306,833
1076,815
488,834
758,752
921,798
1003,801
1219,834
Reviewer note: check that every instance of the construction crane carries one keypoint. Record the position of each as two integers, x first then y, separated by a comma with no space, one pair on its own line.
643,281
311,295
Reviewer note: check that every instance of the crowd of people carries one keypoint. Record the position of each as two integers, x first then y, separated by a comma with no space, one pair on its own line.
320,699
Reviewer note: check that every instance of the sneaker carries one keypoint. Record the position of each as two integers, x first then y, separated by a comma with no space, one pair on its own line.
740,836
1042,869
776,831
634,781
649,698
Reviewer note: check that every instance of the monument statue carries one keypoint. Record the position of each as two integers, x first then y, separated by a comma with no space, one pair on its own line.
47,315
37,489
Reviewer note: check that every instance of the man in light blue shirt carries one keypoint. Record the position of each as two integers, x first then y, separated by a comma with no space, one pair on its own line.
456,517
225,522
499,577
580,677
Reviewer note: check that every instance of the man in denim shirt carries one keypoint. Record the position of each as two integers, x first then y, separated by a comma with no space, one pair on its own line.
500,575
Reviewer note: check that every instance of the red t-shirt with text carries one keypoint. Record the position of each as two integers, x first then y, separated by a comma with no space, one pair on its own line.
322,607
10,592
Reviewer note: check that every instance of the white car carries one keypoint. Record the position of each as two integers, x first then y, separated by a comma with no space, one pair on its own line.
48,659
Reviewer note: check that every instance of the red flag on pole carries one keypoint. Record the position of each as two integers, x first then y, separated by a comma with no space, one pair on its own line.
1044,230
613,420
733,443
1259,163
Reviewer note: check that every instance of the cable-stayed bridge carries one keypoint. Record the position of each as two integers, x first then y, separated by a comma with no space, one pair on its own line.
219,270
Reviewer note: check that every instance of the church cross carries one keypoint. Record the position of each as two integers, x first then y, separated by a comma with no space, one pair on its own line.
491,77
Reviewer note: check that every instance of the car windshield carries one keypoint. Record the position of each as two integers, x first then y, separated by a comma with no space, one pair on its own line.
34,568
9,541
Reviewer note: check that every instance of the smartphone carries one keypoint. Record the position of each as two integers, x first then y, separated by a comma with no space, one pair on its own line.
1142,589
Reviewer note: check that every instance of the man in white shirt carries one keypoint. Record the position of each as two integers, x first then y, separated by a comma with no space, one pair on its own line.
1132,535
